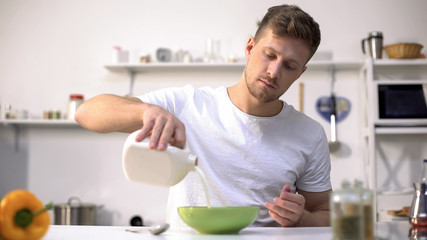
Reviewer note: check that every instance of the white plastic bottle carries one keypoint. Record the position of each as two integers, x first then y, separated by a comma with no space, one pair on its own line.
161,168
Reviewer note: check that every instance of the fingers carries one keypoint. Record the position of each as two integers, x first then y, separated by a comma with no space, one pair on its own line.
174,133
281,216
163,128
285,189
179,138
288,208
284,212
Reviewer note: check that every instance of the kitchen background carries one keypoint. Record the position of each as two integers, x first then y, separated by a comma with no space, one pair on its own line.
52,48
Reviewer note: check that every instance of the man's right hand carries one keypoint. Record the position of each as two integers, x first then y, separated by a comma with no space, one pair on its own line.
110,113
163,127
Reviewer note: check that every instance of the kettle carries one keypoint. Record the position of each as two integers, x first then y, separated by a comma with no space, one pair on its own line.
160,168
375,43
418,212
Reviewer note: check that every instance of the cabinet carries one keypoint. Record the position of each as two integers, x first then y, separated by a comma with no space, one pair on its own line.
394,148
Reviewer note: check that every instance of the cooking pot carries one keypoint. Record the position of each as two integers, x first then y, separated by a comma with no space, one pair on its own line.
74,212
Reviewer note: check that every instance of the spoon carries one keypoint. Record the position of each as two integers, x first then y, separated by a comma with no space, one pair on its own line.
156,230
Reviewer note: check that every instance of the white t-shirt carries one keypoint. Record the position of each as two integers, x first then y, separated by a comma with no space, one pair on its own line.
246,159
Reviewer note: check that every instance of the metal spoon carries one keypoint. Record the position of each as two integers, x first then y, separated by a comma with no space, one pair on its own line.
156,230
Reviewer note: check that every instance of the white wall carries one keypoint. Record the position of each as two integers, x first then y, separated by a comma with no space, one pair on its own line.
51,48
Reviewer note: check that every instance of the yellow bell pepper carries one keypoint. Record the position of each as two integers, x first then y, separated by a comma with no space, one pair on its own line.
23,216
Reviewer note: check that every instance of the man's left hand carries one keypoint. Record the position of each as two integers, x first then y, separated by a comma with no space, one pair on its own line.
288,208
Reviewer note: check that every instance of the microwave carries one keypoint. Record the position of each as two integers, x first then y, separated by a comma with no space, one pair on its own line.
402,103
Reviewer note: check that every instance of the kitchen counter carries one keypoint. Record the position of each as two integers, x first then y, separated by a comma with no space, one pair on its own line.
389,231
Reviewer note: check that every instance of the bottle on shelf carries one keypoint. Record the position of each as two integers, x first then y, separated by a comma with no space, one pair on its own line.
73,104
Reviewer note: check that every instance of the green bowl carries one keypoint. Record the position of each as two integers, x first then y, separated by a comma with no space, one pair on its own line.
218,220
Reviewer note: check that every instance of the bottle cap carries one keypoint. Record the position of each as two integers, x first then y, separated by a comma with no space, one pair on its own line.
76,96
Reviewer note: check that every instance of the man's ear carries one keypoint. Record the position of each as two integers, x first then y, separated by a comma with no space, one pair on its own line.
249,45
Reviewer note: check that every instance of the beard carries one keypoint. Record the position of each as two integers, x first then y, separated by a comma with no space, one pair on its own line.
259,93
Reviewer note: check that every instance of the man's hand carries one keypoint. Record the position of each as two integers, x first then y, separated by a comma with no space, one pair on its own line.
163,127
288,208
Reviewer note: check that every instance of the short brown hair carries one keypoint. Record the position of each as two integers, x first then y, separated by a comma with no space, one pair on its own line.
290,20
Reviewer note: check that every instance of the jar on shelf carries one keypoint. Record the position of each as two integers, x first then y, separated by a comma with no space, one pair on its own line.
73,104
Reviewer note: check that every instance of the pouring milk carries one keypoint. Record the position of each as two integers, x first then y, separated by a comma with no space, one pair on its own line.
161,168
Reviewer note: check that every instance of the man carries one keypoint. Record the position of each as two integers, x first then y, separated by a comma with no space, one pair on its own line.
253,147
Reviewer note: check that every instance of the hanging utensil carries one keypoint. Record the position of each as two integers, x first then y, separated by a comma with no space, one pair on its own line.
333,143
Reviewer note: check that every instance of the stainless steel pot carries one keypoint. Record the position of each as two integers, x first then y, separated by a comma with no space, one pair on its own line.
74,212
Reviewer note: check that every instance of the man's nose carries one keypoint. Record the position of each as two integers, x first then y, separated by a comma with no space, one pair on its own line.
273,69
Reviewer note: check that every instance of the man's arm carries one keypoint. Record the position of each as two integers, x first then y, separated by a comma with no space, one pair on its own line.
317,211
111,113
303,209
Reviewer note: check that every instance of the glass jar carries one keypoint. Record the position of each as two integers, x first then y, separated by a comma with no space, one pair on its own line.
347,218
368,211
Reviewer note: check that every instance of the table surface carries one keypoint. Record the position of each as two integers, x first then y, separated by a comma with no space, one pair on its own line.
390,231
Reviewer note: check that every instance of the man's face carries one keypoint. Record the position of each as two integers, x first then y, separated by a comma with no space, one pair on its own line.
274,63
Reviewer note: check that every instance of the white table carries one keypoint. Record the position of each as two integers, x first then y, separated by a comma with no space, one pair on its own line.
389,231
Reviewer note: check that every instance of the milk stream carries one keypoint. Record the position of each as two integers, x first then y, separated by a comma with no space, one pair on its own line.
205,186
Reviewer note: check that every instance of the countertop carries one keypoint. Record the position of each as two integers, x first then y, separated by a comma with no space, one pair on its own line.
389,231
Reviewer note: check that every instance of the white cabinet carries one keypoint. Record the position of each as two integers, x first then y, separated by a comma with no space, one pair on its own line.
394,148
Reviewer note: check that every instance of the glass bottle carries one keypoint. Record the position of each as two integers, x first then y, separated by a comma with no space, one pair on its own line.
418,211
347,213
368,213
73,104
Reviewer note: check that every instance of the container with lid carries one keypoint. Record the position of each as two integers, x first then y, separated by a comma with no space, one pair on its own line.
161,168
367,201
74,212
73,104
347,213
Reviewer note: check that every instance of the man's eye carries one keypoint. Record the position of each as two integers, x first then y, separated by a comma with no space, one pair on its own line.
268,55
288,67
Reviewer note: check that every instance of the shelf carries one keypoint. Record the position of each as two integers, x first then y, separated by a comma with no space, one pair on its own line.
402,123
400,62
133,69
404,191
400,130
39,122
147,67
